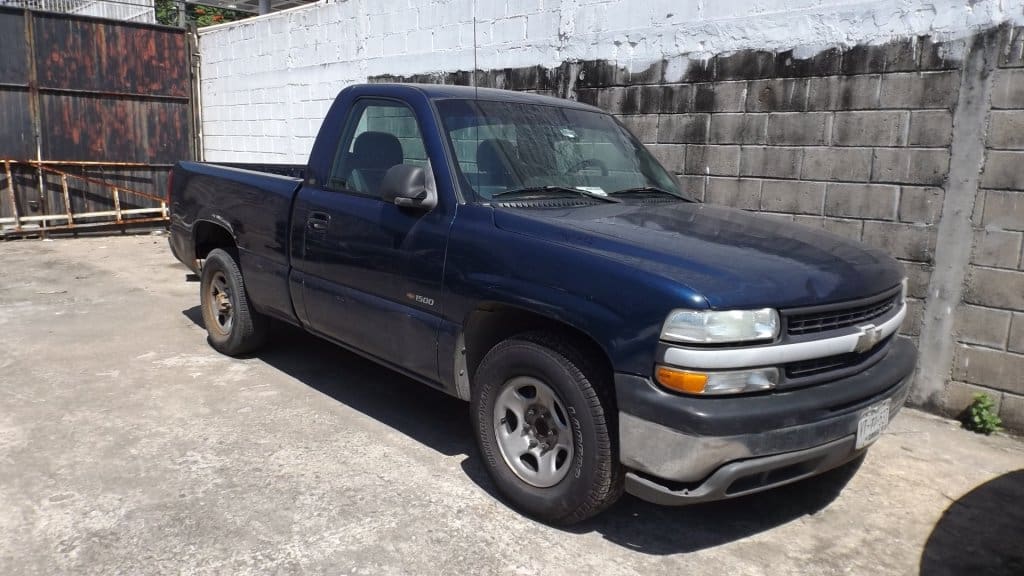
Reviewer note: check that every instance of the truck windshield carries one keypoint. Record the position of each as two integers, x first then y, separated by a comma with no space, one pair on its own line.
504,147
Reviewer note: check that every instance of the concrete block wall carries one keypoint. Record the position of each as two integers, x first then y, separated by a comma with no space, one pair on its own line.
906,139
990,323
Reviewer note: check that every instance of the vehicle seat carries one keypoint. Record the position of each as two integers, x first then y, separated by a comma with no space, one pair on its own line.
495,158
373,153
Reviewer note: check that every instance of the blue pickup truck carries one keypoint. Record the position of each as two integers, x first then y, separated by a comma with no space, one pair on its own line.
527,254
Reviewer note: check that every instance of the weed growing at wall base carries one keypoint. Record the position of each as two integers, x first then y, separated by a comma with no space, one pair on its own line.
981,416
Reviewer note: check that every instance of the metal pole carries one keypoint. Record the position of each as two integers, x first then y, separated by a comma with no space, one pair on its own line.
13,197
264,7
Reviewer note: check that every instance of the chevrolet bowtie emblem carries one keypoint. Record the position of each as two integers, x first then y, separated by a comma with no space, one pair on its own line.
867,337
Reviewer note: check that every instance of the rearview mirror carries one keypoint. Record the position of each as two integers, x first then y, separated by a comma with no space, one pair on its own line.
409,186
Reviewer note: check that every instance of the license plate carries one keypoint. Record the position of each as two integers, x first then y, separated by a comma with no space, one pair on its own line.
872,422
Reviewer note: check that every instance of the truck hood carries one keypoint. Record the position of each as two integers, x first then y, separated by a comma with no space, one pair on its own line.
734,259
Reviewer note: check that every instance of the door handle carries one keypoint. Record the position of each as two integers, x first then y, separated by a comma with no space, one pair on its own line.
318,221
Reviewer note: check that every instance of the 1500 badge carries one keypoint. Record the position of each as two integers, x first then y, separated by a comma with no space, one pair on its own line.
420,299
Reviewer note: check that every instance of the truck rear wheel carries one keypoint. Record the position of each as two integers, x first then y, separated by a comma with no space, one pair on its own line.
544,420
232,326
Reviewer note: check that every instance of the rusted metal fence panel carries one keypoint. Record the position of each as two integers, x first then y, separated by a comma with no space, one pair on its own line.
93,114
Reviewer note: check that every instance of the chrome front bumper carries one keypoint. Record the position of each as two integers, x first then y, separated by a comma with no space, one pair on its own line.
679,468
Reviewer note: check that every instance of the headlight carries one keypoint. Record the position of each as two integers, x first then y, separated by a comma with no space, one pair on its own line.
903,291
714,327
717,383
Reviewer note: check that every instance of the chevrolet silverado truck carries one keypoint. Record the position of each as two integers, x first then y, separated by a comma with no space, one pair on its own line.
527,254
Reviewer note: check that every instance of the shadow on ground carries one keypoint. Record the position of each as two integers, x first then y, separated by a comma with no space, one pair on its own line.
980,533
442,423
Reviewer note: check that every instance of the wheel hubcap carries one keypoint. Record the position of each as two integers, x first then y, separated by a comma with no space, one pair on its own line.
533,432
219,302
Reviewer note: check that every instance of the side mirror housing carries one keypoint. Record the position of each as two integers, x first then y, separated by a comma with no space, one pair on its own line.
409,186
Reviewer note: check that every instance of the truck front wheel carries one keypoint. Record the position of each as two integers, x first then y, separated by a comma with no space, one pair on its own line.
232,326
543,415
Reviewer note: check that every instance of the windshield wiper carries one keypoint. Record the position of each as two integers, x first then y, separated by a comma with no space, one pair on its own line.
650,189
577,191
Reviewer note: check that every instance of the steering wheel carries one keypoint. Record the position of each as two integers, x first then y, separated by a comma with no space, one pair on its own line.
586,164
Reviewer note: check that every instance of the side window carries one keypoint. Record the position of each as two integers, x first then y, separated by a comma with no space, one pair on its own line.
379,134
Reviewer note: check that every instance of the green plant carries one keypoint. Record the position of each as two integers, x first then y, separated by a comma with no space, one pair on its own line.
981,415
167,12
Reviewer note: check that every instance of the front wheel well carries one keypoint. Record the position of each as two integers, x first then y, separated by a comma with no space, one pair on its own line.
490,324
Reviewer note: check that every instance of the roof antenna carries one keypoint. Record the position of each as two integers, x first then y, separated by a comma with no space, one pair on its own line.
476,88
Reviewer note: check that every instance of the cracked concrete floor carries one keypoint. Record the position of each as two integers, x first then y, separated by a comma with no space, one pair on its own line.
127,446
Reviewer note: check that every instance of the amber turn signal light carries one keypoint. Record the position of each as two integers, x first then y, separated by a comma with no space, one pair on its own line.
681,380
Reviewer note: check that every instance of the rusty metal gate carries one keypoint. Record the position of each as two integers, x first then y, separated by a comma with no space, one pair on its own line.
93,114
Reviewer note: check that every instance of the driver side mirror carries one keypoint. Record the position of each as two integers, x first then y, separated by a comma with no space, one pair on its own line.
409,186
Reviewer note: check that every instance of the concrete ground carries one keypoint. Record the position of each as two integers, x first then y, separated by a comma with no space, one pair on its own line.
127,446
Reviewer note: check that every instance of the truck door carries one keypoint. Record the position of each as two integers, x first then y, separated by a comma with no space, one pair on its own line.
371,272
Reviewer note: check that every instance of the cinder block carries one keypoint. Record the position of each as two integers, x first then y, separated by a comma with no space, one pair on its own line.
693,185
611,99
1011,412
643,126
720,96
777,95
1003,170
1016,341
683,128
921,205
713,160
945,54
793,197
824,63
651,99
990,368
671,156
922,166
958,396
770,161
904,241
844,164
677,98
843,92
1006,129
738,128
924,90
918,277
798,128
930,128
894,56
997,248
1011,49
1008,88
869,128
742,193
982,326
877,201
995,288
1004,209
743,64
852,229
915,315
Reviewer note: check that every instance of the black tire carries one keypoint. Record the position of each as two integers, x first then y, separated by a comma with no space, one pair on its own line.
595,479
243,329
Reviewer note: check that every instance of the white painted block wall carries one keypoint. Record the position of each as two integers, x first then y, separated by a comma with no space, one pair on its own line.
267,82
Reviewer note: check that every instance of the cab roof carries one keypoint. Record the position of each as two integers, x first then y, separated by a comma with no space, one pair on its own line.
448,91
